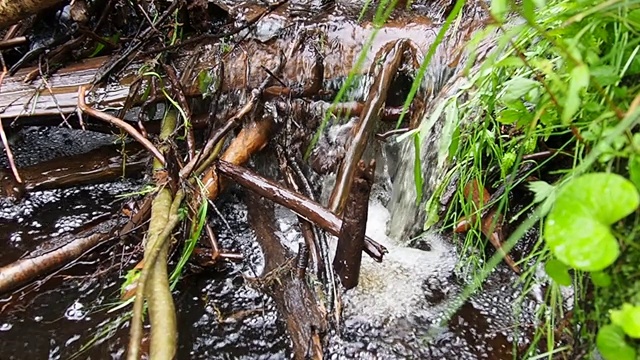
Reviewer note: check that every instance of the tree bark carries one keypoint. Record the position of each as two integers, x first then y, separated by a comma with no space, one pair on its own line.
12,11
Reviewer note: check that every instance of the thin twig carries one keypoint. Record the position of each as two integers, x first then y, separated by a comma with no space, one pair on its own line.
119,123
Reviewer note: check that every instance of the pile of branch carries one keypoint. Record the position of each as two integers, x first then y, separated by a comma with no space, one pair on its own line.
186,179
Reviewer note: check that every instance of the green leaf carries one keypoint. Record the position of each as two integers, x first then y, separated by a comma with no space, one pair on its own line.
509,116
517,88
541,190
628,318
499,9
205,80
577,229
529,10
600,279
605,75
634,170
578,80
558,271
510,61
612,344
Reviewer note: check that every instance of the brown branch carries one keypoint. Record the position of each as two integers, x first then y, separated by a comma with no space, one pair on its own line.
354,223
384,70
12,11
303,312
297,203
118,123
24,270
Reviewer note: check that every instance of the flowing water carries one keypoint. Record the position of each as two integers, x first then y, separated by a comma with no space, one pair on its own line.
398,310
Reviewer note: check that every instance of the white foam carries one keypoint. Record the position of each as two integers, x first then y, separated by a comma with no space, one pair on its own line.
394,288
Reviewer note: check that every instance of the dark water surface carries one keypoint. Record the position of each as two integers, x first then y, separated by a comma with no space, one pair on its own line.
220,314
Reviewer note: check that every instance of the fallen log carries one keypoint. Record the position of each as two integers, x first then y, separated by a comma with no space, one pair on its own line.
29,268
304,314
12,11
58,94
103,164
304,207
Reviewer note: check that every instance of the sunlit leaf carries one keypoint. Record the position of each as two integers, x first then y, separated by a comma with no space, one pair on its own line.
577,229
612,344
578,80
529,10
628,318
558,271
499,9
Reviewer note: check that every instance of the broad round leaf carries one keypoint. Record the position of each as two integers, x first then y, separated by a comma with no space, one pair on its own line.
612,345
558,272
600,279
628,318
577,229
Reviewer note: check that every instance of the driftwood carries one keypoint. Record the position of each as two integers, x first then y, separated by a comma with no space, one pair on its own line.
354,223
103,164
73,246
306,208
58,95
12,11
304,314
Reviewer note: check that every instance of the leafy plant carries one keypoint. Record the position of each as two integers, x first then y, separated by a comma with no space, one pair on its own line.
612,344
560,86
577,229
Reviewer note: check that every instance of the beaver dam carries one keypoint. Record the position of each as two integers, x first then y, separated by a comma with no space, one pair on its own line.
247,179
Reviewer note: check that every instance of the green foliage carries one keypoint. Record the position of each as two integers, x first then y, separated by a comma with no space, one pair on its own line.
563,76
612,344
577,229
558,271
627,318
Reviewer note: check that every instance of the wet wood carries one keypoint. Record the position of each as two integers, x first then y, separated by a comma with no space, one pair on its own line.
384,71
72,247
58,95
297,203
153,283
354,224
304,314
103,164
12,11
251,139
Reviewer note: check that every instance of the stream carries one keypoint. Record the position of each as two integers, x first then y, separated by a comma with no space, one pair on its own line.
399,310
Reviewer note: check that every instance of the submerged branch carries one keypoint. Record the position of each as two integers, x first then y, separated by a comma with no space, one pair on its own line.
24,270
